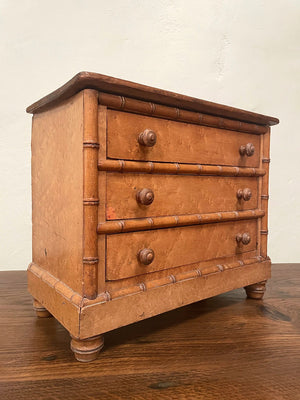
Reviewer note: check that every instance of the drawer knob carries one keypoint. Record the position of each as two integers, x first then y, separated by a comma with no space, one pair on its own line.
244,194
145,197
247,150
147,138
243,238
146,256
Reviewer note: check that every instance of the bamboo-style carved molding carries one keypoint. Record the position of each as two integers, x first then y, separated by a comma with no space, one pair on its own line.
118,226
90,193
176,168
264,197
68,293
90,260
171,279
177,114
265,164
91,144
91,202
264,232
106,296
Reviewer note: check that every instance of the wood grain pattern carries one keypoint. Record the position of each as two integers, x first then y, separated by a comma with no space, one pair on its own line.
265,192
204,266
74,312
174,247
91,80
90,193
176,141
143,201
176,114
56,196
102,197
236,347
175,195
56,297
176,168
140,224
87,350
145,304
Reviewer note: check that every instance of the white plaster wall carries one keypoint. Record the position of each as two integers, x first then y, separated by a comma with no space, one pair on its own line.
242,53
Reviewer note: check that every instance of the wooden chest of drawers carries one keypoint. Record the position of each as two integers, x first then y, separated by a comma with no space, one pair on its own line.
143,201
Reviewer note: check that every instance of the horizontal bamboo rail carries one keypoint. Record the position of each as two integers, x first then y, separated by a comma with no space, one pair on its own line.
177,114
171,279
140,224
176,168
103,297
90,193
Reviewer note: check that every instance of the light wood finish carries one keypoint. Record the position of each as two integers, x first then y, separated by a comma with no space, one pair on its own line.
265,193
102,197
175,247
87,350
57,191
162,298
108,84
58,298
176,114
130,225
256,291
90,193
176,141
143,201
151,280
175,194
176,168
41,311
144,300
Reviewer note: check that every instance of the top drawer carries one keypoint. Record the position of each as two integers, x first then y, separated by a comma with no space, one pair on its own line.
177,141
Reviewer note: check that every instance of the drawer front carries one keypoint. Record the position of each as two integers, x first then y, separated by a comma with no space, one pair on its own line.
128,253
176,195
177,141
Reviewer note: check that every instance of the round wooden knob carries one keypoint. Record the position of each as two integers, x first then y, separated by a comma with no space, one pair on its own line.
147,138
247,150
243,238
146,256
145,196
244,194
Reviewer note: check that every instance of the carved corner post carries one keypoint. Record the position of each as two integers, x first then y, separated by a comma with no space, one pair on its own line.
90,193
102,116
257,290
86,350
265,193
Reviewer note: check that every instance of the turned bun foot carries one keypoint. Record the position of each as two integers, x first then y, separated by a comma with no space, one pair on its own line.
40,310
256,291
86,350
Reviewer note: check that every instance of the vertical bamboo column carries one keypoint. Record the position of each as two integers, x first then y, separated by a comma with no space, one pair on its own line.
90,193
265,193
259,192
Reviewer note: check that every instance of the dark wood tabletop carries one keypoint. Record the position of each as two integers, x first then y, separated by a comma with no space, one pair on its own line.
226,347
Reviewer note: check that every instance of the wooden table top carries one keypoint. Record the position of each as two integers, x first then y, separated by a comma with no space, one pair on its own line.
222,348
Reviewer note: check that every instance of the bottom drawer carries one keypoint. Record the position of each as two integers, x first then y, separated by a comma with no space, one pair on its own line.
137,253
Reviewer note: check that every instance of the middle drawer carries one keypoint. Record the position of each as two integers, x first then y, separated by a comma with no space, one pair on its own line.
176,195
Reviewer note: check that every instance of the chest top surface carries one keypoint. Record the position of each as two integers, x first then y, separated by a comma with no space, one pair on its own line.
107,84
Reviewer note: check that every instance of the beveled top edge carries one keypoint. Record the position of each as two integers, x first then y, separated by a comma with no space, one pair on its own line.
104,83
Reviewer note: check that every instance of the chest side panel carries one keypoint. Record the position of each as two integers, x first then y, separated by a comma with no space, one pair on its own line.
57,191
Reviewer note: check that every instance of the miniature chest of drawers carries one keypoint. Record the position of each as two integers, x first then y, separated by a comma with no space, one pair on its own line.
143,201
